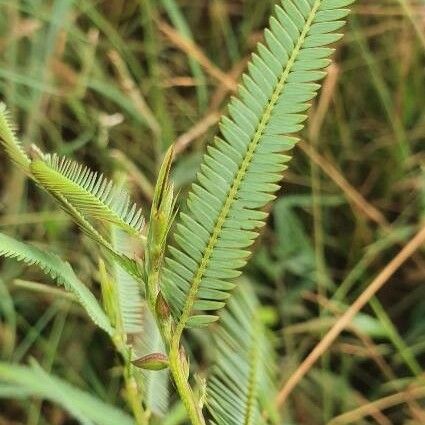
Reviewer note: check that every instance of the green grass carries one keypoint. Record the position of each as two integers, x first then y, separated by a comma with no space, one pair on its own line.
319,251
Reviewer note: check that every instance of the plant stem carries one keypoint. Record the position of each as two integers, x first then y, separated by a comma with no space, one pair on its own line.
185,391
171,336
134,398
176,365
179,371
151,292
133,394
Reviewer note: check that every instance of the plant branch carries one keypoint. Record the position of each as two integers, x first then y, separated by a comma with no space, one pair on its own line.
134,396
177,368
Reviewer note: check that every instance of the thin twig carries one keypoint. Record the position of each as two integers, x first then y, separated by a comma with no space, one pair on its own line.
414,244
130,88
193,51
356,198
356,415
200,128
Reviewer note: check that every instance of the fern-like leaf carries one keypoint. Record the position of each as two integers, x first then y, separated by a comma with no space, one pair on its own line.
130,265
129,297
82,193
92,194
241,384
10,142
59,270
241,170
33,381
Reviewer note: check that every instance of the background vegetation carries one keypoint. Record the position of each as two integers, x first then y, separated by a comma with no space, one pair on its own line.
114,83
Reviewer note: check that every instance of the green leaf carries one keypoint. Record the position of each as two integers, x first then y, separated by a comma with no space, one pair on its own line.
154,362
201,321
136,319
80,192
59,270
130,265
35,382
161,219
240,171
130,299
10,142
91,194
241,384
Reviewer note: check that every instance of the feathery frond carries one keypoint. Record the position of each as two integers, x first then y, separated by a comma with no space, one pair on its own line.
10,142
82,193
130,300
127,263
59,270
35,382
91,194
241,170
241,381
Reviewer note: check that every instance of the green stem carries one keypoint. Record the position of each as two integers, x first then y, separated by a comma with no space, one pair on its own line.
176,364
185,391
151,290
133,394
134,398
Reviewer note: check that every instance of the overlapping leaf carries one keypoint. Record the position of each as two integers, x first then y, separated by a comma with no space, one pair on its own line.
137,320
127,263
92,194
83,194
9,141
87,409
59,270
130,300
241,386
241,170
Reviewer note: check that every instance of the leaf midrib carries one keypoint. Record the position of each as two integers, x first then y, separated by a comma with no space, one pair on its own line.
253,377
61,179
194,287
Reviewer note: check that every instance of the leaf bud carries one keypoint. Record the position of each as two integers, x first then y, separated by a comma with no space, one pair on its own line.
154,361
